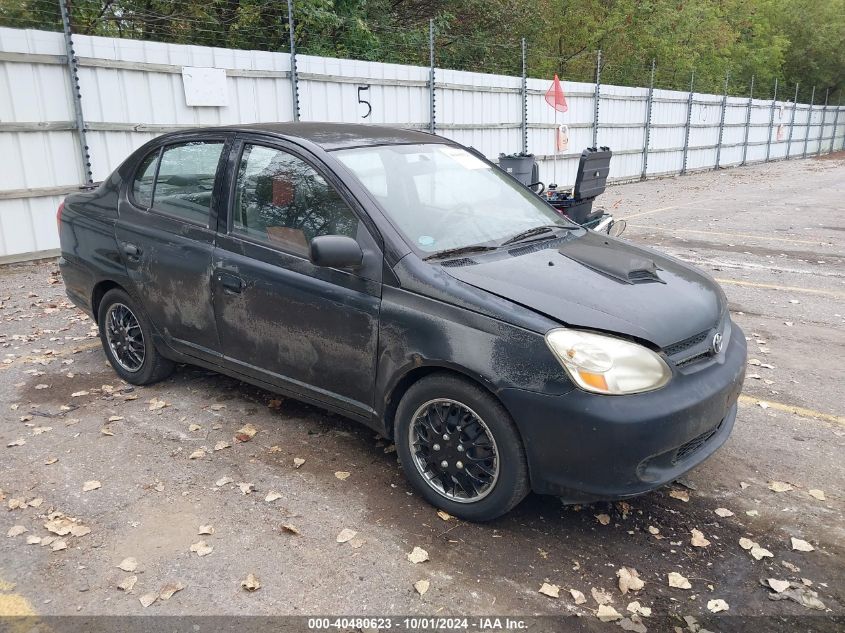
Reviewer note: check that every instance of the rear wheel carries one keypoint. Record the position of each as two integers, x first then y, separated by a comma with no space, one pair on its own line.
127,340
460,449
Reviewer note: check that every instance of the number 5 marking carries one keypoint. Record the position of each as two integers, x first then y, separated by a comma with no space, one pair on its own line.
364,101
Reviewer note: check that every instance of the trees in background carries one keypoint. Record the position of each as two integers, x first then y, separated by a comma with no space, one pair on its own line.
792,40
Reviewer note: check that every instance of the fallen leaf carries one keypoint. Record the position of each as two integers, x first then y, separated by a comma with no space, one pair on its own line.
629,580
606,613
59,525
779,486
219,446
289,527
223,481
800,545
166,592
682,495
197,454
272,496
422,586
90,485
297,462
128,583
746,543
18,442
817,494
33,540
106,431
58,545
752,513
342,474
637,608
633,624
715,606
604,519
418,555
217,407
793,568
346,535
251,583
444,515
678,581
50,461
128,564
552,591
195,427
206,529
147,599
577,596
357,543
275,449
202,548
778,585
115,418
723,512
245,433
802,595
246,488
156,404
76,394
698,539
16,530
760,553
743,485
80,530
601,596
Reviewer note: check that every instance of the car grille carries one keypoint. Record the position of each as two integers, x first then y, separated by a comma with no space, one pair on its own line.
688,343
688,448
542,245
461,261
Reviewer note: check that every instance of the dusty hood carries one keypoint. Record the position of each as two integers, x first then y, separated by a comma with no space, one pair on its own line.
597,282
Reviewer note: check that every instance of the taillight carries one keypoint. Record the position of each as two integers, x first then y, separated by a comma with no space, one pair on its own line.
59,216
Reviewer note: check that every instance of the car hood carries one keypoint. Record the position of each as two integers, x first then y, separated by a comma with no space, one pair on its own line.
598,282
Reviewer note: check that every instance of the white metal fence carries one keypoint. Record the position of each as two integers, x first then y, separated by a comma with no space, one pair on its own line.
133,90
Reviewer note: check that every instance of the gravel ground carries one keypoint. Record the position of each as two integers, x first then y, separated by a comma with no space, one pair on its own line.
773,235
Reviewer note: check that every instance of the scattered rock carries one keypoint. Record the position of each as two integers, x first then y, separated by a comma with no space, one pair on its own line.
718,605
346,535
422,586
552,591
698,539
800,545
678,581
418,555
629,580
606,613
251,583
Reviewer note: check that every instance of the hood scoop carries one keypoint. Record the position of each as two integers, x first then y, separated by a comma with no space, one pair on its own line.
595,252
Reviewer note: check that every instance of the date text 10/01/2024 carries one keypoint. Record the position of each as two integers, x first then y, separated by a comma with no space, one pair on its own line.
419,623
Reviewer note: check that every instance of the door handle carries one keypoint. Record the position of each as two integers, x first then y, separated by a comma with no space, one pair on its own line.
231,283
132,251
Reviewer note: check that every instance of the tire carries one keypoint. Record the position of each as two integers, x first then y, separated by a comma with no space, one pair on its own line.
144,365
466,412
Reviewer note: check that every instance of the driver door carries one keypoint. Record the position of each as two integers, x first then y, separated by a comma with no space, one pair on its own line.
309,329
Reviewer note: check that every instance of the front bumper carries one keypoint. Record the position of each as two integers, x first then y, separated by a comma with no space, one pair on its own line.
586,447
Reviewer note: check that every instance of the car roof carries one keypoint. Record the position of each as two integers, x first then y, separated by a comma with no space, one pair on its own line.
332,136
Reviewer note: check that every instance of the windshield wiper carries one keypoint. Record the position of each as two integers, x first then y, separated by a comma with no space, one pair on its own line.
537,230
462,250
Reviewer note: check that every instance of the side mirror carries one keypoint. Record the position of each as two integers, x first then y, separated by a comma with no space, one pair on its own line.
335,251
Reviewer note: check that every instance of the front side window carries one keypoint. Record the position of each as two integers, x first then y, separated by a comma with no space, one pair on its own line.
142,187
443,197
185,180
282,200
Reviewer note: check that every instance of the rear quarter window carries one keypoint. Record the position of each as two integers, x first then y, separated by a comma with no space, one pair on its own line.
142,186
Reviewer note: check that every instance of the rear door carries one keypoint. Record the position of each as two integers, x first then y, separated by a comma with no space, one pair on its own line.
166,240
312,330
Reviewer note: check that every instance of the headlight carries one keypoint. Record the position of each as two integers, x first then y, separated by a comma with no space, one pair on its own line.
605,364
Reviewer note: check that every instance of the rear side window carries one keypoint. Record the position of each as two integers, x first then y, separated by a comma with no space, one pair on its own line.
282,200
142,188
185,180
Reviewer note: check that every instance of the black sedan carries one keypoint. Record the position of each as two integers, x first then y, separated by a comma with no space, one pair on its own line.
402,280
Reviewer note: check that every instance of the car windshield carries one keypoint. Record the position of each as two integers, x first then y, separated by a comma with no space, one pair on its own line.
444,198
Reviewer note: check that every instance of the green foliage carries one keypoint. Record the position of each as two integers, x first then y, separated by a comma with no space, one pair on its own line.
791,40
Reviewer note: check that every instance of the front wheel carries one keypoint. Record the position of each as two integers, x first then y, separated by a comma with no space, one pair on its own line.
460,449
127,340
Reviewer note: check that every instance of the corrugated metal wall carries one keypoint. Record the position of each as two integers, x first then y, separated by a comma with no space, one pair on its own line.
132,91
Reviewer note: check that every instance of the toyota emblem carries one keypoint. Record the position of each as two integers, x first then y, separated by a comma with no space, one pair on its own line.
717,343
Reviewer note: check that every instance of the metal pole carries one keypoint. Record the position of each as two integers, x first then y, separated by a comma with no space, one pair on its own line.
835,124
792,123
771,121
524,99
597,99
809,121
748,121
824,122
689,120
294,76
431,112
722,120
648,123
73,70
